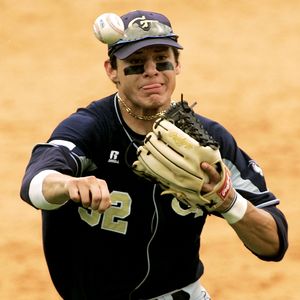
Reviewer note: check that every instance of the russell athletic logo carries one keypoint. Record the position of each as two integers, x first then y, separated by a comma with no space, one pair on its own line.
114,157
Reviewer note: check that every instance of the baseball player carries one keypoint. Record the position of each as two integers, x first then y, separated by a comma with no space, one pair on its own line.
111,234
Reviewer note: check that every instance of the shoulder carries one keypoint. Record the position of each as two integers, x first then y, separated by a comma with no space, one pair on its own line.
98,110
103,107
219,133
88,125
90,116
209,124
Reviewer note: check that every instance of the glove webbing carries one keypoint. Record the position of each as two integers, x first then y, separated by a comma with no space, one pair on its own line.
182,116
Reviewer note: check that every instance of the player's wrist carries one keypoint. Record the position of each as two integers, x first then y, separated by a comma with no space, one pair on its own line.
36,193
237,209
228,201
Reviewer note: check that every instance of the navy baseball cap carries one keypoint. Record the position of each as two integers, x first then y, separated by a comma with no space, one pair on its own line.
142,29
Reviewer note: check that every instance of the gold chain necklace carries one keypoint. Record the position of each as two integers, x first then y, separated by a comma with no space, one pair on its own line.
139,117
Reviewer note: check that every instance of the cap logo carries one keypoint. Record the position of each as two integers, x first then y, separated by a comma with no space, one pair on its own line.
141,28
142,23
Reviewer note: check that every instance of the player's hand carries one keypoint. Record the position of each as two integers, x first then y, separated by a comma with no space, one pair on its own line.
90,191
214,179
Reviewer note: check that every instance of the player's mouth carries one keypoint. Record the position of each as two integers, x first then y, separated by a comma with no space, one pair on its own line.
152,86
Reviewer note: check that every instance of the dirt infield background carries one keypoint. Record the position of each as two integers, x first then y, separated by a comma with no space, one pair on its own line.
241,63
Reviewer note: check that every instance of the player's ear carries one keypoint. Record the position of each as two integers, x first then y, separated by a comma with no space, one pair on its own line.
111,72
177,68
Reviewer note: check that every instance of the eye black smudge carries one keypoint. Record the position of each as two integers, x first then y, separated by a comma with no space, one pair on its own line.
131,70
139,69
164,66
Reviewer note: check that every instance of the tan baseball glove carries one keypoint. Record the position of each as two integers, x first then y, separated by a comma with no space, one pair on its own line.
172,154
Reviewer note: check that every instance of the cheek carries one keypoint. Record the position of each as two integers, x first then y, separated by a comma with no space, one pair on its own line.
172,82
128,83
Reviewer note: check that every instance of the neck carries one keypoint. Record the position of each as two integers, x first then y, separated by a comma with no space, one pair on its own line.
139,117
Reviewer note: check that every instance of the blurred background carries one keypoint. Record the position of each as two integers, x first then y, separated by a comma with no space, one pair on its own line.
241,63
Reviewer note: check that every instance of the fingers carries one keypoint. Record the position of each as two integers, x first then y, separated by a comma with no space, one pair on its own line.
211,171
90,191
214,177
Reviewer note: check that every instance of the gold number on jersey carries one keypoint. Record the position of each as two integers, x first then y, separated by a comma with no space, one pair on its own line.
120,209
112,218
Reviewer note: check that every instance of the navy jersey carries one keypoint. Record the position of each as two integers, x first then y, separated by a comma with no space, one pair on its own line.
145,244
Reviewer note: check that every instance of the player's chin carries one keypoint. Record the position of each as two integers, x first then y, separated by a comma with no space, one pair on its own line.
160,94
158,101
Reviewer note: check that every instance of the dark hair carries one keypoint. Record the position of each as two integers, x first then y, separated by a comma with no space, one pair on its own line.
113,59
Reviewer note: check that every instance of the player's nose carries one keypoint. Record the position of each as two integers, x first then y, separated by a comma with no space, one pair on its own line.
150,68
